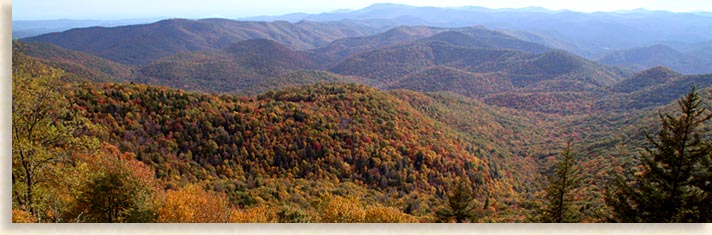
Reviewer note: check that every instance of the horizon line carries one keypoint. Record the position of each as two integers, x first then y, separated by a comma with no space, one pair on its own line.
344,10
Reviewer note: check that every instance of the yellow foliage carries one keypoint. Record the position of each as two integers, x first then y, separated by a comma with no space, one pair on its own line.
387,215
21,216
260,214
342,210
192,204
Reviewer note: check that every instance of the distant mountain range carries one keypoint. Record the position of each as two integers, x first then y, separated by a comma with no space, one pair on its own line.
187,54
592,34
31,28
140,44
507,68
694,62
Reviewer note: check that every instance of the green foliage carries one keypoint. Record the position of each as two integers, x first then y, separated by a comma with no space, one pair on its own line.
673,184
460,204
118,189
113,198
289,214
562,205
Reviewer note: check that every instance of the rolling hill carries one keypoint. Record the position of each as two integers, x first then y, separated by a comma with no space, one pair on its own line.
226,70
655,95
345,47
659,55
81,66
198,56
592,35
362,137
471,37
141,44
443,78
650,77
521,69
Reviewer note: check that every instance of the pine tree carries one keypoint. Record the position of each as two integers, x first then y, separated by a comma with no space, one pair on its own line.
561,206
674,185
459,204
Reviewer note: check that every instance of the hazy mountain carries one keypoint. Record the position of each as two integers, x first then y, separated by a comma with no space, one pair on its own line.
400,35
30,28
591,34
479,36
700,49
542,39
645,79
140,44
660,55
655,95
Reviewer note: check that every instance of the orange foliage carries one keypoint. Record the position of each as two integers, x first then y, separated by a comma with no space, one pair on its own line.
260,214
343,210
192,204
21,216
387,215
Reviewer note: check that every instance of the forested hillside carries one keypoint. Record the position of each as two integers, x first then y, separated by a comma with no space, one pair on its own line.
218,120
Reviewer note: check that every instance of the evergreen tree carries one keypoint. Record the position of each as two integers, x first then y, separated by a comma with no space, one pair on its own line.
459,204
561,206
674,185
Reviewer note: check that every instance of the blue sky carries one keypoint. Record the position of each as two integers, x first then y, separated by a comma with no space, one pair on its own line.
127,9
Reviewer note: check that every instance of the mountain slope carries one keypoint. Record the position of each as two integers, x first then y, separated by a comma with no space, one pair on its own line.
81,66
655,95
645,79
658,55
296,79
140,44
471,37
30,28
523,70
229,69
399,35
480,36
443,78
337,133
592,34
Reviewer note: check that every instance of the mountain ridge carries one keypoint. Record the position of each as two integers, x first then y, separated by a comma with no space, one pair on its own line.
140,44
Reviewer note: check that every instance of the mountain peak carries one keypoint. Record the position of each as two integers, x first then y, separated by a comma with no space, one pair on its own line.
658,71
647,78
379,6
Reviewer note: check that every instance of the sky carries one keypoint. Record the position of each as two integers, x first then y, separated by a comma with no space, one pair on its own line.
132,9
